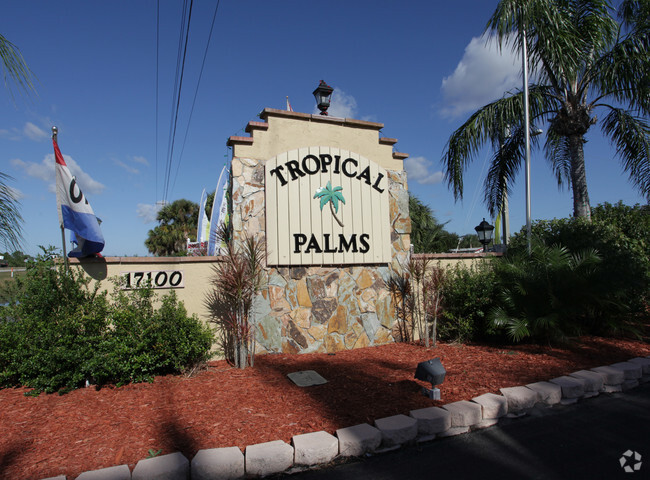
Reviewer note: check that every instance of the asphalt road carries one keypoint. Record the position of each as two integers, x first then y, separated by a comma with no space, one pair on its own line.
585,440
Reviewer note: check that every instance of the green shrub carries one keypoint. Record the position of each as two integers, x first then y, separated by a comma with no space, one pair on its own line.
468,295
618,233
547,295
59,332
143,342
51,329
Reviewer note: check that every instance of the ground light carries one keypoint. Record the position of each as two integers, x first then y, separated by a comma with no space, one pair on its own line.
432,372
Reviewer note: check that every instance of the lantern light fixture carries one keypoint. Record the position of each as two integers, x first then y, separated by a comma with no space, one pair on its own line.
484,231
323,96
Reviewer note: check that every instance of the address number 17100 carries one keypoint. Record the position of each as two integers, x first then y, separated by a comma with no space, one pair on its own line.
157,279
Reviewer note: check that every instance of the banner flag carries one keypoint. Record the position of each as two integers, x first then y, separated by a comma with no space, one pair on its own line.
289,108
217,206
203,229
75,213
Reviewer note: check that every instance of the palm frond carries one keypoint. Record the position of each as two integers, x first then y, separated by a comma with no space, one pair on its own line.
487,126
631,135
14,66
623,72
10,218
558,155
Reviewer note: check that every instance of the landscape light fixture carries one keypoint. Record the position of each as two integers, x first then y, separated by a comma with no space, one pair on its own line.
432,372
323,95
484,231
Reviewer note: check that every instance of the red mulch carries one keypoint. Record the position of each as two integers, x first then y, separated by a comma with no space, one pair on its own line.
222,406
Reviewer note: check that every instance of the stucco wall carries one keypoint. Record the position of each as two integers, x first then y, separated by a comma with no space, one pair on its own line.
197,272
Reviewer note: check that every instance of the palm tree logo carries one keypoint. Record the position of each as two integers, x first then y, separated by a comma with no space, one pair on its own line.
332,196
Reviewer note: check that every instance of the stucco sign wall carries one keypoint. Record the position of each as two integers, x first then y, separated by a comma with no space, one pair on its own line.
326,206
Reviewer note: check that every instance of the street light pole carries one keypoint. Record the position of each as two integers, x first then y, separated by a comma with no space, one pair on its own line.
524,66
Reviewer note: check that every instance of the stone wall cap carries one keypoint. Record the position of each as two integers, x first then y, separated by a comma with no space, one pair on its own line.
272,112
237,140
388,141
152,260
444,256
256,126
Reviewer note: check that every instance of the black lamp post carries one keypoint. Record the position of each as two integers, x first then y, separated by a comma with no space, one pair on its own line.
323,95
484,231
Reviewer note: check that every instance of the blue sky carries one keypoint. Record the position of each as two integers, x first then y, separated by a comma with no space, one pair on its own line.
418,67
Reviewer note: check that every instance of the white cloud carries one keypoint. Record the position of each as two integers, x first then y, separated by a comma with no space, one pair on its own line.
342,105
148,212
45,171
126,167
33,132
417,169
30,131
483,75
141,160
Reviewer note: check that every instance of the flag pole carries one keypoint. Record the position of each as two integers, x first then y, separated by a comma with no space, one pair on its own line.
55,132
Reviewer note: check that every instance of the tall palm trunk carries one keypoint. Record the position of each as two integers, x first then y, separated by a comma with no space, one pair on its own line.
581,206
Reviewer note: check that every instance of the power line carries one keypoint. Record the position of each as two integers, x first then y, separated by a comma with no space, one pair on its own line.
196,91
178,85
157,76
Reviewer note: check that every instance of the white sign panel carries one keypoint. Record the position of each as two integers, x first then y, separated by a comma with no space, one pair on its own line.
326,206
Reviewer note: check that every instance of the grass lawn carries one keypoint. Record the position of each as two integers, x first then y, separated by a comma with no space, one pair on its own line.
5,277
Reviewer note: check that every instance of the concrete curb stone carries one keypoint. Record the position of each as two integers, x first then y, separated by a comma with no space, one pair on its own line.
432,420
397,429
593,381
120,472
629,385
358,440
59,477
520,399
632,371
218,464
490,422
547,393
268,457
173,466
314,448
572,388
464,413
611,376
645,364
493,406
452,432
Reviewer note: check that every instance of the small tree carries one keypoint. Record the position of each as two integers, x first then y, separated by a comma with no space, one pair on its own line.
418,272
433,295
399,286
238,277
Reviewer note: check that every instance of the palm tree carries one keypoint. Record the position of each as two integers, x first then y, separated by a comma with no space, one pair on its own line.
332,196
14,68
584,61
427,234
178,222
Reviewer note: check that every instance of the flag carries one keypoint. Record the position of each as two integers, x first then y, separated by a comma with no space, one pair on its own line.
75,213
203,229
218,205
289,109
